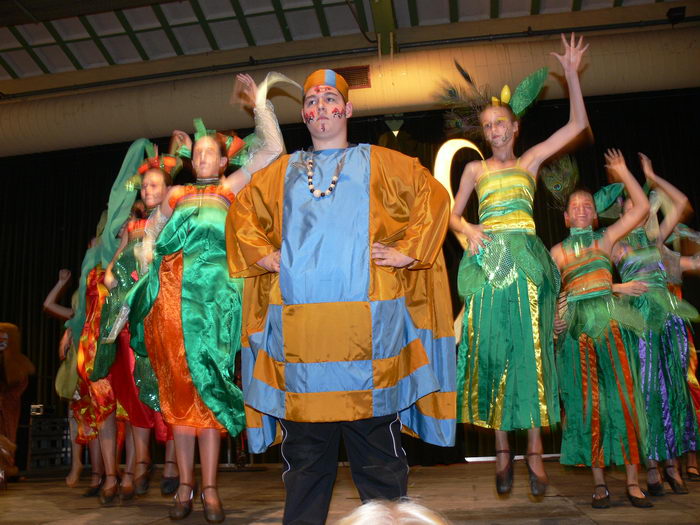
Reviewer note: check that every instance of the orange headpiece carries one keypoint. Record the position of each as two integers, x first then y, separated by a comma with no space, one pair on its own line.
327,77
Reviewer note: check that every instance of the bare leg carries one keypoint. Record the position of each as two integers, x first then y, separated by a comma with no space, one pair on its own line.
142,438
184,438
671,469
502,460
98,466
128,477
598,479
633,481
209,446
119,440
170,469
107,437
653,475
534,446
76,452
692,462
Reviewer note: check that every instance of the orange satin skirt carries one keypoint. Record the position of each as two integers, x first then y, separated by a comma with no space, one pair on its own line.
180,402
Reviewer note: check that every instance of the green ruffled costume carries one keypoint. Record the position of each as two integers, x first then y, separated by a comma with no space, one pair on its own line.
210,306
506,376
125,269
661,351
121,198
599,385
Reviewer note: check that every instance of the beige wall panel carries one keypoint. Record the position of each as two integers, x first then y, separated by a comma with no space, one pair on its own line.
617,63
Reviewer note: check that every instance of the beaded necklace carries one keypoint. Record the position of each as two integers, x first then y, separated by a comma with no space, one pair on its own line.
334,180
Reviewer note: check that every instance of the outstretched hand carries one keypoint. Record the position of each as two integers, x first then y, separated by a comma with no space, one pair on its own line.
614,161
179,138
573,53
245,90
647,168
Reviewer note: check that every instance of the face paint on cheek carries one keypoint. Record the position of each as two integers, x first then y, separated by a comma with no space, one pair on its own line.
507,135
309,117
337,113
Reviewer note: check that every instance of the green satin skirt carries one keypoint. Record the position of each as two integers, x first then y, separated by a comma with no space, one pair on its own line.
506,377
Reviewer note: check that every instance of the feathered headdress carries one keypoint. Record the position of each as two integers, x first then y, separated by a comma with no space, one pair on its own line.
467,101
170,164
232,144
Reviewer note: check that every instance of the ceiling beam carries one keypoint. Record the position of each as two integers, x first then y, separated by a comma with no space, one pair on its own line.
279,12
8,68
205,25
57,37
454,10
413,12
168,30
385,25
361,15
240,16
16,12
132,36
321,15
96,39
25,45
495,9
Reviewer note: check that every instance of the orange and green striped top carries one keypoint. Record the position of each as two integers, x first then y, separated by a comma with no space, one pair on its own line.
587,270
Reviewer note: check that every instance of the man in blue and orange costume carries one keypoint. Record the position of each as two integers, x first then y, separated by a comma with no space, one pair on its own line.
347,327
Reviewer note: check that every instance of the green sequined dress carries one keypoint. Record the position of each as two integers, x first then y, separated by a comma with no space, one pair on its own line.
506,376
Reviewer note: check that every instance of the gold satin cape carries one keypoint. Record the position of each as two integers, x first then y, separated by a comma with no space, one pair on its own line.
409,210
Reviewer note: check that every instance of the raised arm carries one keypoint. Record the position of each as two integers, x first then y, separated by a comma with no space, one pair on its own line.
473,232
678,200
51,305
615,163
267,130
578,119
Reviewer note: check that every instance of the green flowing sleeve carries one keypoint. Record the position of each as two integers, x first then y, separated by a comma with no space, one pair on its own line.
121,199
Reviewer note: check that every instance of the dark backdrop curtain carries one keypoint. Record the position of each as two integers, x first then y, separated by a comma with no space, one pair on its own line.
51,203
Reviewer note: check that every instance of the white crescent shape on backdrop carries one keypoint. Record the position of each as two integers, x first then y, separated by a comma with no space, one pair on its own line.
442,171
443,168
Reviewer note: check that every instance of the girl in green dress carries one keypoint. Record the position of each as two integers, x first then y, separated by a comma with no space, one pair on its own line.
662,350
599,385
506,379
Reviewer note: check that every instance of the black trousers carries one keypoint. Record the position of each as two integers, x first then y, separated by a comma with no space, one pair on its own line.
310,461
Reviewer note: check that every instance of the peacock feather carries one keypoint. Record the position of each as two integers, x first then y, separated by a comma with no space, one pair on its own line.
560,177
